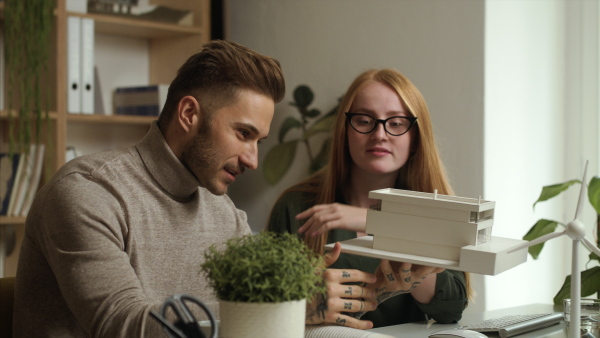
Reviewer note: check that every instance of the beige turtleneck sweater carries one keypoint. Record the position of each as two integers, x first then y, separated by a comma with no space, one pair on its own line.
110,237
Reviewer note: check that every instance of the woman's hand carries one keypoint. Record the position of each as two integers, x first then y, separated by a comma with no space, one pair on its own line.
342,298
324,217
394,278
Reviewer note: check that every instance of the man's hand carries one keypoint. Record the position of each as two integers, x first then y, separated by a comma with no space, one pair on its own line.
341,297
324,217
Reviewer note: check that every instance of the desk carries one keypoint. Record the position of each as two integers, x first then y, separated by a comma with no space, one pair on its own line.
417,330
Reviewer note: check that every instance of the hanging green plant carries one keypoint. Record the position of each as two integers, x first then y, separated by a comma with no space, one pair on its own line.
27,27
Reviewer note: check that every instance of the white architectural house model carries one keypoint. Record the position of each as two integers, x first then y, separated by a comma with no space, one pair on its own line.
435,230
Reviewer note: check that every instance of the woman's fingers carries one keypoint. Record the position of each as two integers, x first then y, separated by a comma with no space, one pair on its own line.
348,276
341,319
333,255
350,291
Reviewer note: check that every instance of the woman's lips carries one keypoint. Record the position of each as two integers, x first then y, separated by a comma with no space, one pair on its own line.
379,151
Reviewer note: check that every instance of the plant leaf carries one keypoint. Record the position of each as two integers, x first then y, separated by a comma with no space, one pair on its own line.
303,96
288,123
324,125
551,191
540,228
594,193
321,160
590,284
278,160
311,113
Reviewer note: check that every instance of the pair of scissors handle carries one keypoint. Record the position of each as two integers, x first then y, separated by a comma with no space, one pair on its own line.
186,326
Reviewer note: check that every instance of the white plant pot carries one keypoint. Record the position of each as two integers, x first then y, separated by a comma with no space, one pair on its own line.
239,320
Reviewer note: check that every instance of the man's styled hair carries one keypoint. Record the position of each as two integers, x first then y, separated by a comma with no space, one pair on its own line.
215,75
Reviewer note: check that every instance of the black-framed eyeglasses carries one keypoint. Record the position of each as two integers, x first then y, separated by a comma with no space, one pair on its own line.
395,125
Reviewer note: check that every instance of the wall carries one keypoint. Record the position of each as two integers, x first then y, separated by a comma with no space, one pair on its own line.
325,44
541,124
512,86
438,45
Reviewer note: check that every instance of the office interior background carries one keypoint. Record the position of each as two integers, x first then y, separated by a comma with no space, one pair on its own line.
513,87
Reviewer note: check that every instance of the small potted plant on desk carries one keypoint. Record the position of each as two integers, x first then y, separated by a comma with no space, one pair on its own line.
262,282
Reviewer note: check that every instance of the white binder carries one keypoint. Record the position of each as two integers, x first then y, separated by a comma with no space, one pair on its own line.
87,66
80,72
74,64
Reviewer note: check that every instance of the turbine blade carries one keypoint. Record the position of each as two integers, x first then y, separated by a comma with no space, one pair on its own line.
537,241
590,245
582,192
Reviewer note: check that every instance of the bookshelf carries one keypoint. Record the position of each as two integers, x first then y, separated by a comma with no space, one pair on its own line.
165,47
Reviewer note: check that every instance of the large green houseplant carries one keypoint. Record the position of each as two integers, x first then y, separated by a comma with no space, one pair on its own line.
590,278
263,272
27,28
311,122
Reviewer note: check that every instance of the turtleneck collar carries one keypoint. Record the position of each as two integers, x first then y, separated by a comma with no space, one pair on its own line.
164,166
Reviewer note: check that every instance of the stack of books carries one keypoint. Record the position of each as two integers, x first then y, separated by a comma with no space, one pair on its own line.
20,178
140,100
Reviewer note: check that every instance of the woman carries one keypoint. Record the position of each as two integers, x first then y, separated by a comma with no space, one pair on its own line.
382,138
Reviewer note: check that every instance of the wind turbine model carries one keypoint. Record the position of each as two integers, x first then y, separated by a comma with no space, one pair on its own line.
576,231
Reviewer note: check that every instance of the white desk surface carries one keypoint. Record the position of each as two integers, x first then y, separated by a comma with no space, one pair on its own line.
417,330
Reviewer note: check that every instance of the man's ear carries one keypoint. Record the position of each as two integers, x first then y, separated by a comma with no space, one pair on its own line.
189,114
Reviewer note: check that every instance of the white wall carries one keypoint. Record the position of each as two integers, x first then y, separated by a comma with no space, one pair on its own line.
438,45
541,118
524,136
325,44
526,130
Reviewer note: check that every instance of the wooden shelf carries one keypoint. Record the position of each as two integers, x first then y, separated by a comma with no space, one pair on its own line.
137,28
4,115
5,220
111,119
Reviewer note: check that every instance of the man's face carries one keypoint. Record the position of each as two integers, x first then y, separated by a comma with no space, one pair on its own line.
228,145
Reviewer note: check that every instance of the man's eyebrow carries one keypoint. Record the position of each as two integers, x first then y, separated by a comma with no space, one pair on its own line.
249,126
252,128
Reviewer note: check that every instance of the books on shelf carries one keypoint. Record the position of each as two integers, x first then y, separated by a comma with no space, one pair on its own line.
23,174
8,171
131,9
140,100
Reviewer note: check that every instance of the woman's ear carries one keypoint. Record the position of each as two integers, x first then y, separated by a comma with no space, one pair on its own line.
189,114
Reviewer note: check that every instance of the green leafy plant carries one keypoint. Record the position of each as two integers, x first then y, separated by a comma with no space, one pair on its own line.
264,268
279,158
590,278
27,27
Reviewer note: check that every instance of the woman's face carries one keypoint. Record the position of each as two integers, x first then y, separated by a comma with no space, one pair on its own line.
378,153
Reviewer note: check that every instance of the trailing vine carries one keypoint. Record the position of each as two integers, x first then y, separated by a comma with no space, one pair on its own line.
27,26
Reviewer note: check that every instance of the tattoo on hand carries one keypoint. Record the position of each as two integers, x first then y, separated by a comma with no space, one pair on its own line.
347,306
390,277
340,321
348,291
407,279
345,274
318,313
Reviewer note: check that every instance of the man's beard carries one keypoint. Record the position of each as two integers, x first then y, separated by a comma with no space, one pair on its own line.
201,158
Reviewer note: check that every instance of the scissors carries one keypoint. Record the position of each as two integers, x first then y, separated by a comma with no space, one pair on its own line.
186,325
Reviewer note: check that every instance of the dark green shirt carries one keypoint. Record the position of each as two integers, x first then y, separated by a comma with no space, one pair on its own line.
450,291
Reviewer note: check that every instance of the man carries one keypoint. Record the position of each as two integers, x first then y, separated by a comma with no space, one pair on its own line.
112,235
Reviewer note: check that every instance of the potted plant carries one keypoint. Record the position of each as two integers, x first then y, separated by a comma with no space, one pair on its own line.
590,278
262,282
279,158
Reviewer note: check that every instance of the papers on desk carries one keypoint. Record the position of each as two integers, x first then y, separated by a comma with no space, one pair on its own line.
336,331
